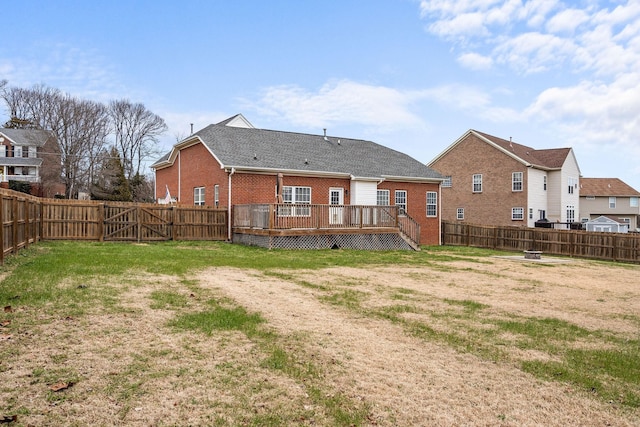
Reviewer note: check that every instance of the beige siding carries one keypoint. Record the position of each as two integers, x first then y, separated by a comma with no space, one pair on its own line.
536,195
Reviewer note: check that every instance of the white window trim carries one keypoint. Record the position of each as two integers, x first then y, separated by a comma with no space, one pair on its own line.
460,214
447,183
379,193
198,196
515,216
515,181
612,202
433,205
216,195
296,200
476,179
401,205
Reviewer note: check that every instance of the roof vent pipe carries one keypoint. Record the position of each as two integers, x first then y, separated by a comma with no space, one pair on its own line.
325,134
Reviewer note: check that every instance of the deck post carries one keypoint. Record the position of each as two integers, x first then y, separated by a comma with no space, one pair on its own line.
272,215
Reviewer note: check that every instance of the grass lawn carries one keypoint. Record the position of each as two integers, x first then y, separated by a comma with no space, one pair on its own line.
209,333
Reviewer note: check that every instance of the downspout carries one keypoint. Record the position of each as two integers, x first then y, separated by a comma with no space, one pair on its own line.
229,218
179,175
440,214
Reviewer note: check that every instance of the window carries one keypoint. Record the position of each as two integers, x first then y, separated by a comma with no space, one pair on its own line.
530,213
447,181
517,214
3,151
216,195
460,213
572,183
33,152
477,183
571,213
544,183
432,203
295,196
516,181
382,198
17,151
198,196
542,214
401,201
612,202
626,220
633,202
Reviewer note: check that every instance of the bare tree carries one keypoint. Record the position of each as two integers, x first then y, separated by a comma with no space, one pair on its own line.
136,132
81,128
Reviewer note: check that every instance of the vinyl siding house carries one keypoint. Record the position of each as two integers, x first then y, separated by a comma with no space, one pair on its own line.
303,190
31,156
493,181
609,197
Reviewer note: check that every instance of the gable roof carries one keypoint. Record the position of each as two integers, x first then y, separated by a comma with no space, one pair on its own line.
261,150
606,187
552,158
31,137
607,219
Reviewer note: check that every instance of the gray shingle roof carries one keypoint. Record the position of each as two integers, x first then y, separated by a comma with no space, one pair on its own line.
32,137
20,161
278,150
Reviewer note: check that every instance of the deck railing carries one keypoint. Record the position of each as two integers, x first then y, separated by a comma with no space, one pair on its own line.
305,216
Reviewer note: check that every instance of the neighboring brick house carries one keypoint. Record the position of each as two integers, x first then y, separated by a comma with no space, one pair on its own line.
489,180
610,197
232,163
31,156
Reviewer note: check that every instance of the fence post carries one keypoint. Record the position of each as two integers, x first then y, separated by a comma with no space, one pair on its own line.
139,222
27,229
172,224
14,209
40,219
101,222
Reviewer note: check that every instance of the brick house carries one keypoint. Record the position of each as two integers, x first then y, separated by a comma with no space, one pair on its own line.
231,163
609,197
490,180
31,156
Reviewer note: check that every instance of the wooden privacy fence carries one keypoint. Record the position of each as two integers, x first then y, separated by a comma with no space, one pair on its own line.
26,219
573,243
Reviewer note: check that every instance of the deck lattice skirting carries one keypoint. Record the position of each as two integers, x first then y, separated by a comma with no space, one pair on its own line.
368,241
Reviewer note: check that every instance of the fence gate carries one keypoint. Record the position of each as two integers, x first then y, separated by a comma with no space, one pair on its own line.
137,223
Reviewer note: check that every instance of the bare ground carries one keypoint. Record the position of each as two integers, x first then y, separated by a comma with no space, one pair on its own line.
128,367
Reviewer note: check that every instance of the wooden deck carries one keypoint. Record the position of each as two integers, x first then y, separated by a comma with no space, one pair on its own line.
306,226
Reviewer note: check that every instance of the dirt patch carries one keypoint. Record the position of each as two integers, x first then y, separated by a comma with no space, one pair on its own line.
414,382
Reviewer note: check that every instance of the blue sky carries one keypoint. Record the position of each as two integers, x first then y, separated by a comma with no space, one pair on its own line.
412,75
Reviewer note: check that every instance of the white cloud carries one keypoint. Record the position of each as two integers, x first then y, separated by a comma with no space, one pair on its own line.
593,112
340,101
567,21
533,52
82,73
475,61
